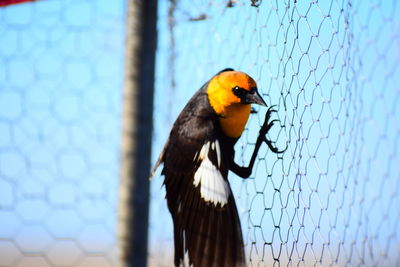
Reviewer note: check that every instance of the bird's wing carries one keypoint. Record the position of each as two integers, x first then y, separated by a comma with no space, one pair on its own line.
159,161
206,222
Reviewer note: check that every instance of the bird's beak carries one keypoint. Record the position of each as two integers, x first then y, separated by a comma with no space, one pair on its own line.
255,99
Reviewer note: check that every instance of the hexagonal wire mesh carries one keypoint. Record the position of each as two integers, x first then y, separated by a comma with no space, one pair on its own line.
61,66
330,199
331,67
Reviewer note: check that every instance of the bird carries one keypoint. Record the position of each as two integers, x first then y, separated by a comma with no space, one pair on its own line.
196,160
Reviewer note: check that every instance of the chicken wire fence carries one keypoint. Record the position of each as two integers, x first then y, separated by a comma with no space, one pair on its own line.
61,75
331,69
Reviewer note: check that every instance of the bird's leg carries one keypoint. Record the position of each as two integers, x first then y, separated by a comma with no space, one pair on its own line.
245,172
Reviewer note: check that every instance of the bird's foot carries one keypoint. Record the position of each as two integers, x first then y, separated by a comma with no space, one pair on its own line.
266,127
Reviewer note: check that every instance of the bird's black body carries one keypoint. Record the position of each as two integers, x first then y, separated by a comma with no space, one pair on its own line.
197,157
212,234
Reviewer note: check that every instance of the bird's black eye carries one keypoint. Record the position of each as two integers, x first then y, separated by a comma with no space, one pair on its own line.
239,92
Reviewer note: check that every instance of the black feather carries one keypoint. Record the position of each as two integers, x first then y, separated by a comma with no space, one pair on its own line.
227,69
209,232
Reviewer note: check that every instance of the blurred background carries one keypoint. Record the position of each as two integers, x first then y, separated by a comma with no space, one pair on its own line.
331,67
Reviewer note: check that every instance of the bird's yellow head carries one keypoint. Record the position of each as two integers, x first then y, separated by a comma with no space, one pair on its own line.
230,94
231,87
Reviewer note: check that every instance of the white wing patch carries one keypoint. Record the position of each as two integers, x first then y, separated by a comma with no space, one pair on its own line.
213,187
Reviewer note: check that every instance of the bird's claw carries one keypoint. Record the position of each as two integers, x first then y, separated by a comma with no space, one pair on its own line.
266,127
274,149
269,111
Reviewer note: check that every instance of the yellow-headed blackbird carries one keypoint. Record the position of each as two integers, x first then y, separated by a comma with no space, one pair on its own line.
197,157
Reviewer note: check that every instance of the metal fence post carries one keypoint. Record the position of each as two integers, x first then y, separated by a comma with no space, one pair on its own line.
141,35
